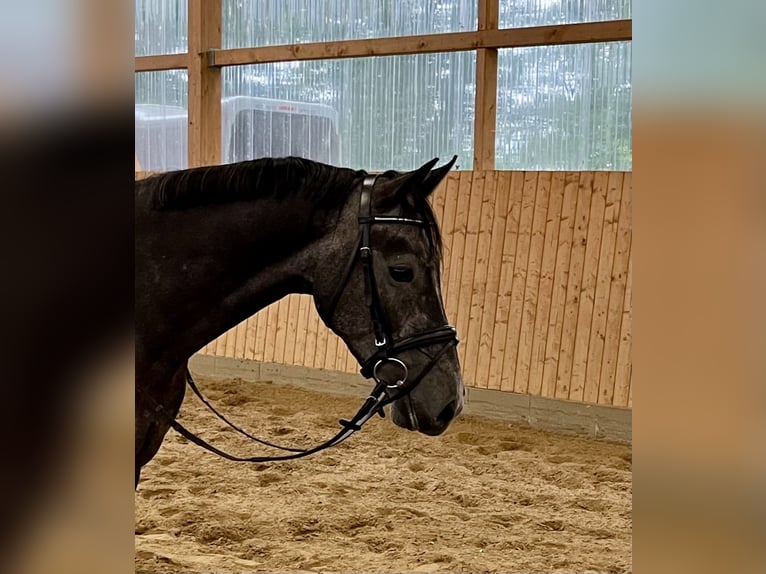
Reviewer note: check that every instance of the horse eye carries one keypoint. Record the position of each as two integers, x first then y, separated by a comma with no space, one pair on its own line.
401,274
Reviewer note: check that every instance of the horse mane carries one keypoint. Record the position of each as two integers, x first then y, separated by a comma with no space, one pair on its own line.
265,178
272,178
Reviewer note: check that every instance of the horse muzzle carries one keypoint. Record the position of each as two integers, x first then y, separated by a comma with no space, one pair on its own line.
430,418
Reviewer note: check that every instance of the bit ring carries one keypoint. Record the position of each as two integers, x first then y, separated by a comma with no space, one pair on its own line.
399,383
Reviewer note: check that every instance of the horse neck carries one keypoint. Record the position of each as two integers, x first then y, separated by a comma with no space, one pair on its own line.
207,269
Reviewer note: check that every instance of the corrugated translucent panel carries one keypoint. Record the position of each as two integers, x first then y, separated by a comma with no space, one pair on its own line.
376,113
565,107
273,22
521,13
161,27
161,120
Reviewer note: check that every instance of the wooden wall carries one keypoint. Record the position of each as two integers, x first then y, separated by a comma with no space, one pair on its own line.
537,276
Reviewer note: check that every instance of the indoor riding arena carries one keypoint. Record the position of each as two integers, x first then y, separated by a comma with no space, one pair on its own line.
535,475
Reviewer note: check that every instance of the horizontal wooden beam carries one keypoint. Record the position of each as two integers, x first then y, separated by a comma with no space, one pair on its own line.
610,31
161,63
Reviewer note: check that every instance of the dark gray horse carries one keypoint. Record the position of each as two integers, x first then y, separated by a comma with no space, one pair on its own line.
215,245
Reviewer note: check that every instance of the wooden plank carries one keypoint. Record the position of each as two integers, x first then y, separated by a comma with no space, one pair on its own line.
341,364
311,336
331,352
458,243
603,288
531,289
523,242
272,318
624,375
469,261
574,278
588,286
161,63
301,339
280,343
499,339
250,339
261,324
473,337
240,339
623,387
619,274
320,355
285,323
301,329
231,341
545,288
447,226
292,328
341,355
495,265
204,83
582,33
220,345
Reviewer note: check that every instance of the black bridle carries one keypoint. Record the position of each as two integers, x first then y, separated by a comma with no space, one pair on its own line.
387,351
387,348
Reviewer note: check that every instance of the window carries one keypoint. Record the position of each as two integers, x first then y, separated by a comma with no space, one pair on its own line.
564,107
392,112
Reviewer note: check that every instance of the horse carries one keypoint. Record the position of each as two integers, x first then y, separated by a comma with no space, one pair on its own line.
214,245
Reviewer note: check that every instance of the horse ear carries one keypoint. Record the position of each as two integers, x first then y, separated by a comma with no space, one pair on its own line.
415,179
402,184
434,178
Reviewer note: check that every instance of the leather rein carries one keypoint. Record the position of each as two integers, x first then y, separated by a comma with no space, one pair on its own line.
387,348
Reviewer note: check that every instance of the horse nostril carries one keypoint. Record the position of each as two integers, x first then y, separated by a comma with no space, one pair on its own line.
448,413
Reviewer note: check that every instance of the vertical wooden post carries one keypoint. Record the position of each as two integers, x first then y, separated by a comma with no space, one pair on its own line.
485,119
205,18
